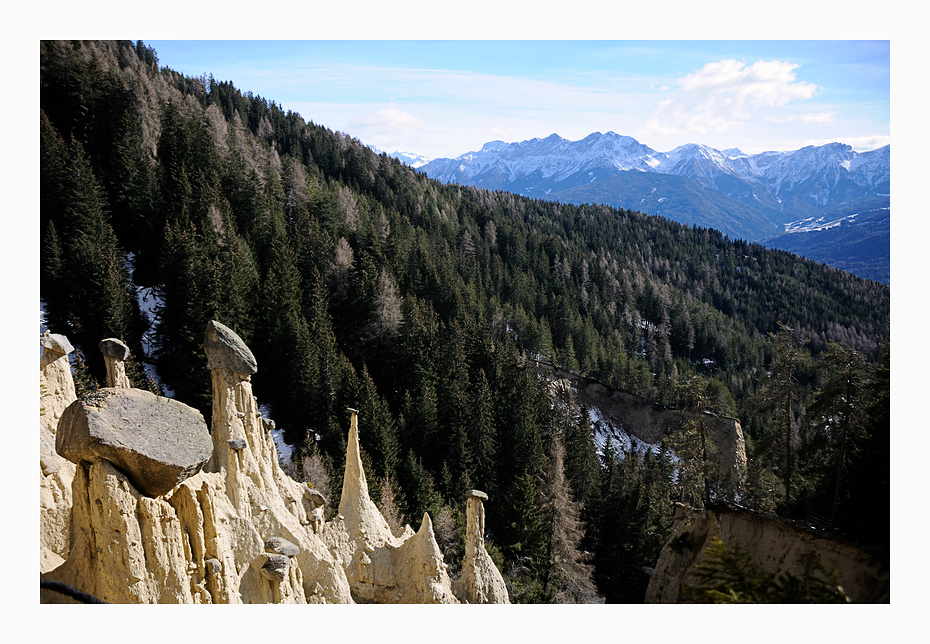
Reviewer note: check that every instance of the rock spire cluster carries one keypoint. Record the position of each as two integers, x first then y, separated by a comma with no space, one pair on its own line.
140,503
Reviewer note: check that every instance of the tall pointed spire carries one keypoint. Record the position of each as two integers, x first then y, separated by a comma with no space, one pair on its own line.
356,507
354,484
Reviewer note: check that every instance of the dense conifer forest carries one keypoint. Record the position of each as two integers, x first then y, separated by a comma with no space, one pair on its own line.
358,282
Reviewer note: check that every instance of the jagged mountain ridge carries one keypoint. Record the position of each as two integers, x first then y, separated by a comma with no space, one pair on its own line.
410,158
773,188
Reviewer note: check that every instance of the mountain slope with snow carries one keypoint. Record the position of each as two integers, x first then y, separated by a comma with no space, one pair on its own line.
857,241
749,196
810,178
409,158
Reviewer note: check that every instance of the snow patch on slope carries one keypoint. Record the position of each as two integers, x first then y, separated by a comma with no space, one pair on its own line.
623,442
285,451
813,224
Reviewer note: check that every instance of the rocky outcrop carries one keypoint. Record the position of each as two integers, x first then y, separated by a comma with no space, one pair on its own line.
650,422
775,545
56,474
56,382
239,530
380,567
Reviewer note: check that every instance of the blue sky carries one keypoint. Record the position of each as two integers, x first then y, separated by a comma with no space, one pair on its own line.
444,98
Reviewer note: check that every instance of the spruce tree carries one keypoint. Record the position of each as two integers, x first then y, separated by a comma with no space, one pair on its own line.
419,490
778,395
523,539
482,436
380,436
85,279
186,290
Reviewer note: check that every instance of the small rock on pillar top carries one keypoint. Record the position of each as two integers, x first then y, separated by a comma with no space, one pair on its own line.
114,353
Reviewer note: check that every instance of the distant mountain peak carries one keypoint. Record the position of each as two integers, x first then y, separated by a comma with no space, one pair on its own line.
756,191
410,158
494,145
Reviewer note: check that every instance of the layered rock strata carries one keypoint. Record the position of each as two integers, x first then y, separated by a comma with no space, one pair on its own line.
775,545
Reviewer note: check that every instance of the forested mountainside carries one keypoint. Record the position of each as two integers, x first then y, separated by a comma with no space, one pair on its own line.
754,197
855,240
359,282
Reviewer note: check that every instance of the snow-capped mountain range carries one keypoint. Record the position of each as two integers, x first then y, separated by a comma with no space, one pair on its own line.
411,159
749,196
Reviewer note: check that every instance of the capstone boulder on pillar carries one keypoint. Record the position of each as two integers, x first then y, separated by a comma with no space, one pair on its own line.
156,442
115,353
226,350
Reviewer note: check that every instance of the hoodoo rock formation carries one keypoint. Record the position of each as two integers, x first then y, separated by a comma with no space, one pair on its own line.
481,581
56,474
382,567
114,353
148,525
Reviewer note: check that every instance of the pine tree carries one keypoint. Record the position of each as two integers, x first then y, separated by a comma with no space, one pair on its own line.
51,279
569,576
390,505
840,409
380,437
523,539
778,393
454,409
482,436
450,536
693,447
419,489
582,468
85,281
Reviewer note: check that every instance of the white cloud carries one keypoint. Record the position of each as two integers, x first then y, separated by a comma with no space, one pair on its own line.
460,111
818,117
389,118
388,128
727,94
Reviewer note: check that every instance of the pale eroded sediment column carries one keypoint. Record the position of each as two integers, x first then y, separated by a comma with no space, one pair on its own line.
481,581
55,498
114,354
57,384
231,364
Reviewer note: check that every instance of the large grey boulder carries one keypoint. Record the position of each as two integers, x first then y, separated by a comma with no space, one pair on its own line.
226,350
156,442
114,348
56,342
